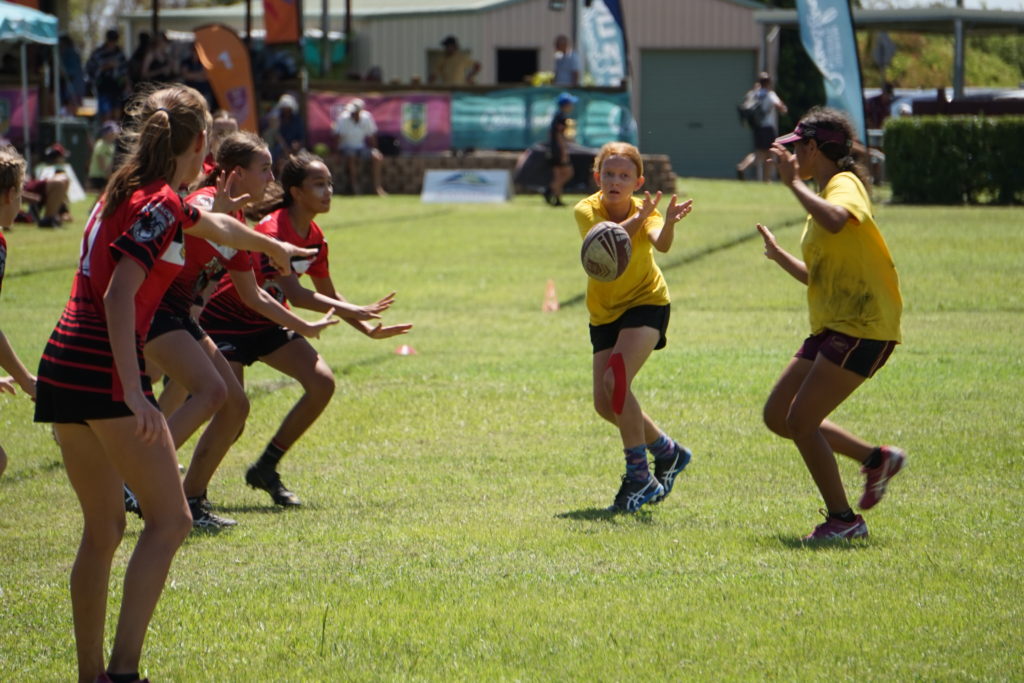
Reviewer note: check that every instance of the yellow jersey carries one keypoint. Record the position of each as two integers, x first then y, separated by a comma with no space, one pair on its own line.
852,284
642,283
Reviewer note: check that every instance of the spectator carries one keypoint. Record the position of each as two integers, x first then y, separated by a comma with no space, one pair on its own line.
72,74
558,150
50,194
102,162
357,139
291,133
107,70
878,108
138,56
224,124
160,64
767,106
193,74
454,67
567,63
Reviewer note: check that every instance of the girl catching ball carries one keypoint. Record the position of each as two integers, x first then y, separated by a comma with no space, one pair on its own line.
853,293
628,320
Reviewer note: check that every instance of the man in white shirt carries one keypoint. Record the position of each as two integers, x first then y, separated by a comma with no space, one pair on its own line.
357,139
567,64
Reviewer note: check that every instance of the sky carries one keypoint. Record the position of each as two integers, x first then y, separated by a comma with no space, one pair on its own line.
1015,5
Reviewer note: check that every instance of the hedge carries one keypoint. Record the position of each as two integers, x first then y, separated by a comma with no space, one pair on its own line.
956,159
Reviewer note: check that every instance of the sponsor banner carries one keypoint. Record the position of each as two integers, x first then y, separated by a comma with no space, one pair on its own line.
603,42
281,21
517,119
13,116
226,61
469,186
419,122
826,31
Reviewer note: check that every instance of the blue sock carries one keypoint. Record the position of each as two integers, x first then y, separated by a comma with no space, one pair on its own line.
662,448
636,463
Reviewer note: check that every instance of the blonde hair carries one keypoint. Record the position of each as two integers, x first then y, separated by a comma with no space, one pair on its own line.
164,123
619,149
12,168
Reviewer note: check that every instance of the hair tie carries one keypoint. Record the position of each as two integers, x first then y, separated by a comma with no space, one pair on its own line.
163,109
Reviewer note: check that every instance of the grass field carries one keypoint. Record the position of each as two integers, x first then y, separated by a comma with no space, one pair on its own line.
454,525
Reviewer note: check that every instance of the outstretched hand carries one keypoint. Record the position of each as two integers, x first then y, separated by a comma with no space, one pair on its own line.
223,201
772,250
676,212
649,204
7,385
382,332
315,328
785,161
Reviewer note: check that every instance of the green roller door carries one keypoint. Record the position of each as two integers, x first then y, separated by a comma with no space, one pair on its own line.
688,108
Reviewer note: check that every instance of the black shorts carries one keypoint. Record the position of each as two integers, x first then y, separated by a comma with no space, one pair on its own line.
64,405
764,136
250,347
604,336
164,322
862,356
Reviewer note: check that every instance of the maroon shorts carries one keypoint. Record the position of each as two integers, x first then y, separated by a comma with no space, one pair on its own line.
862,356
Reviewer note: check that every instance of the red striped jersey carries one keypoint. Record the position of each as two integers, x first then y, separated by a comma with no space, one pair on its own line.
3,259
225,312
147,228
205,261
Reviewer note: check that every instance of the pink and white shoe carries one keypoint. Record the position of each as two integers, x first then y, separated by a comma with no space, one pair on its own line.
893,460
834,529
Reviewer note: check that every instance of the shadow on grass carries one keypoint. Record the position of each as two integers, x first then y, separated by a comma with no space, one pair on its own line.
605,515
30,472
797,543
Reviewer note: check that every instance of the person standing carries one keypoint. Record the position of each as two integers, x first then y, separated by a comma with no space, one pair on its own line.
356,131
766,107
454,67
107,69
558,149
855,305
101,163
567,64
629,319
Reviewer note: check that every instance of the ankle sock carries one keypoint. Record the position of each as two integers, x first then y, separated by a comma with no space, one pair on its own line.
845,516
271,456
636,463
662,447
875,459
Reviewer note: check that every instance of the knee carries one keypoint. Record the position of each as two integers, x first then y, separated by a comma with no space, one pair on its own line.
212,394
170,527
603,407
321,386
237,404
798,425
101,538
775,419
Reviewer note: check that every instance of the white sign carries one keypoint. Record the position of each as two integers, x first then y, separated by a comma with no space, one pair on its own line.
469,186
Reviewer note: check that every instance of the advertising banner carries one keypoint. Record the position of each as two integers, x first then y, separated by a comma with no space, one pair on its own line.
281,21
12,116
519,118
466,187
603,42
226,60
418,122
826,31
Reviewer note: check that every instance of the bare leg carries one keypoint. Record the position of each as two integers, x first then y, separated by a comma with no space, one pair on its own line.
635,344
603,400
181,357
376,162
353,176
300,360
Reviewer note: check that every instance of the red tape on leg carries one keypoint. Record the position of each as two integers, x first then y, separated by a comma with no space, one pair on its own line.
618,367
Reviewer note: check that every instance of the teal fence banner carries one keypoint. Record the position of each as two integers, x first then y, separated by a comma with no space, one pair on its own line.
519,118
826,31
603,42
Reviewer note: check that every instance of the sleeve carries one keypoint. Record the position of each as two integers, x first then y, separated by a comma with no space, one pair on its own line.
154,227
242,260
371,124
319,266
585,219
201,201
845,190
654,222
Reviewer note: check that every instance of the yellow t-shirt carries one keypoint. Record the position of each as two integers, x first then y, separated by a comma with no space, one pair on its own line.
642,284
852,284
453,69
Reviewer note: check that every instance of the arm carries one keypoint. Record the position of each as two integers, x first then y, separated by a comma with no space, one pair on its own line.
317,301
788,262
119,302
223,229
824,213
258,300
325,287
10,362
662,239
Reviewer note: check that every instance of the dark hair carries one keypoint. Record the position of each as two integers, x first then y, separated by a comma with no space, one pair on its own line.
826,118
278,195
236,149
163,123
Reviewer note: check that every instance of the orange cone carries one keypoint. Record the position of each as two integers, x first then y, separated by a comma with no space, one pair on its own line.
405,350
550,304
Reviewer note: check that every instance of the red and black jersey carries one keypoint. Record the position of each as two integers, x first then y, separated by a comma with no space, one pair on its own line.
147,228
225,312
205,261
3,259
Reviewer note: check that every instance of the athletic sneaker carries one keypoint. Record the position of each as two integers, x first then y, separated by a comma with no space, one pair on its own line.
666,470
834,529
893,460
633,494
131,503
203,517
259,478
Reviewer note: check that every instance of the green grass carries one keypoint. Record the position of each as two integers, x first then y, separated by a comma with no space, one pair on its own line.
453,525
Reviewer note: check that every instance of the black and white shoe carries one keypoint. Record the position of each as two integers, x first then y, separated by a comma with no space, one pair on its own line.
633,494
204,518
131,503
270,481
667,469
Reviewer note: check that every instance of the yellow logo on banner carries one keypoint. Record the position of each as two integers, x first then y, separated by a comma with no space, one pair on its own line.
414,121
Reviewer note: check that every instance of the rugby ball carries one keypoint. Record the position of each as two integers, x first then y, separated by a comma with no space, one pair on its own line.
606,251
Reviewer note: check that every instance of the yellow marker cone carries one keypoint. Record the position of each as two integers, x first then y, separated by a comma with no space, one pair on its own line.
550,304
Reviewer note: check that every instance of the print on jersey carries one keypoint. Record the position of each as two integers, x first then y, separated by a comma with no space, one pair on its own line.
153,221
3,261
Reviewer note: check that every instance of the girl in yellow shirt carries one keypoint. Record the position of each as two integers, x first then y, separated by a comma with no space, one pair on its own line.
628,320
854,302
